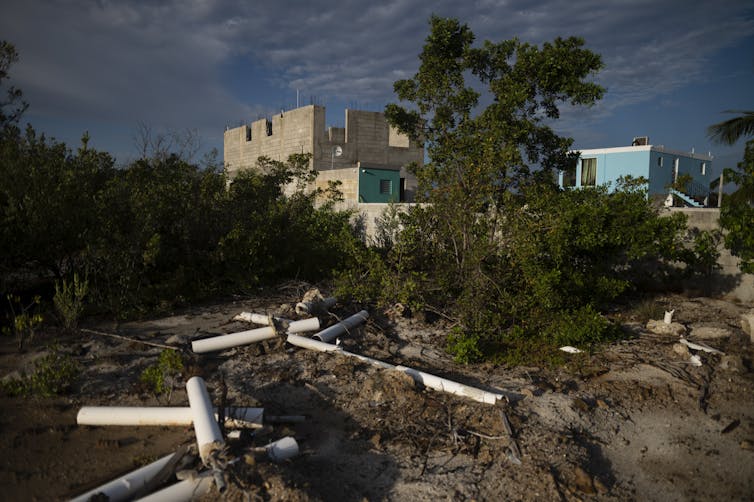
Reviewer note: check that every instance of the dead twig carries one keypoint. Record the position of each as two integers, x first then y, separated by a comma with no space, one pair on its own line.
127,339
514,452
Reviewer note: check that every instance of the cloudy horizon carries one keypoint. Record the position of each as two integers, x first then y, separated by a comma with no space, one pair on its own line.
671,68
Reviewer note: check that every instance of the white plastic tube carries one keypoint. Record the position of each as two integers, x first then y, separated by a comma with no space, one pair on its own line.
315,307
233,340
451,387
282,449
125,486
302,326
223,342
668,316
163,416
183,491
334,331
208,436
428,380
311,344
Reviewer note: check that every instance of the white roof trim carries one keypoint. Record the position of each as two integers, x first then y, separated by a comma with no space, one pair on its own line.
644,148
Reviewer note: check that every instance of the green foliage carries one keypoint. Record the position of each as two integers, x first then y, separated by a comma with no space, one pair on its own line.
522,265
52,374
731,130
648,309
24,318
388,226
69,300
582,327
160,377
737,211
11,105
703,259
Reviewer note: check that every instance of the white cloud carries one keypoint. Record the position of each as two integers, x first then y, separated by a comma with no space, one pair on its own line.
159,62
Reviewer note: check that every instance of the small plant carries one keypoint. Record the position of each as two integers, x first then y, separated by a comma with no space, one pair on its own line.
159,378
53,374
647,310
706,251
69,300
24,319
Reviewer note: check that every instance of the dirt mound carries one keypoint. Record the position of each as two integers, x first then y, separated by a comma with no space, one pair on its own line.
637,420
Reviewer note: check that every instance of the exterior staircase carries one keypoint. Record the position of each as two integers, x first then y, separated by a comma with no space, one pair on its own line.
687,199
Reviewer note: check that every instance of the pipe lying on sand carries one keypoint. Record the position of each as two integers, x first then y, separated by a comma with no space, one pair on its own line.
421,377
223,342
239,418
334,331
124,487
183,491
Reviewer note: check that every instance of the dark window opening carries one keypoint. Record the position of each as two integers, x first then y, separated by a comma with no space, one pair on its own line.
569,178
269,128
248,133
402,190
386,186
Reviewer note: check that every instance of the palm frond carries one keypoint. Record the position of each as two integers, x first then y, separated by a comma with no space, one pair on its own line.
729,131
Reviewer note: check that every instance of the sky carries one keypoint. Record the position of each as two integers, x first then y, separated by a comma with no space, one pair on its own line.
672,67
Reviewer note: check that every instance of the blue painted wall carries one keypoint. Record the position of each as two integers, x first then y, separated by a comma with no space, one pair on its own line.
613,165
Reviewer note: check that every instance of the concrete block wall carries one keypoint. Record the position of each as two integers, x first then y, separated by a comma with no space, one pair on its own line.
728,281
292,132
367,139
349,178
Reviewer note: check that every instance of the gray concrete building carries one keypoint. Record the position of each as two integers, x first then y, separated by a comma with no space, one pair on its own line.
368,156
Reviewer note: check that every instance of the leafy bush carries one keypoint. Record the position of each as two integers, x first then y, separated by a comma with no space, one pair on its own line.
52,374
69,300
160,377
24,318
737,211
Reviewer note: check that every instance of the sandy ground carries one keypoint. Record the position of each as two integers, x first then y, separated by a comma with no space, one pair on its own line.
634,421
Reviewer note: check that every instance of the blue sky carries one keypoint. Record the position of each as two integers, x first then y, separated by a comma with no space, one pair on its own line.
671,67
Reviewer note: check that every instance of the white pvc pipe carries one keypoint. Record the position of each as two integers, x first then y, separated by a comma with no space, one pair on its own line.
302,326
426,379
163,416
223,342
309,343
282,449
233,340
208,436
451,387
183,491
668,316
125,486
334,331
316,306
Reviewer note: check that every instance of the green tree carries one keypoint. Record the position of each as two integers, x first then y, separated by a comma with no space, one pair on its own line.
12,105
737,211
500,247
47,201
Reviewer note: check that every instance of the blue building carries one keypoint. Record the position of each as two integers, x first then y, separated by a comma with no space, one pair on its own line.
660,165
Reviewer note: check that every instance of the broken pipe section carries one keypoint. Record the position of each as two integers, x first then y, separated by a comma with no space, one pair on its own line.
127,485
329,334
251,336
208,436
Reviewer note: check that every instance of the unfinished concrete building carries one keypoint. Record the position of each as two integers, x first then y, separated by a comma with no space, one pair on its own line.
368,156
